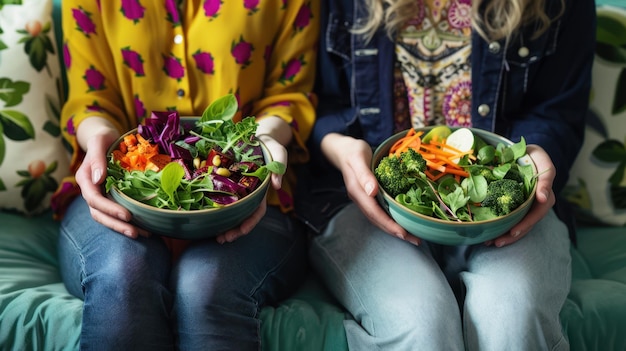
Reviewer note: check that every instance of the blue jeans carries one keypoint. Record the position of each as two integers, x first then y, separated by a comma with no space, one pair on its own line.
136,298
436,297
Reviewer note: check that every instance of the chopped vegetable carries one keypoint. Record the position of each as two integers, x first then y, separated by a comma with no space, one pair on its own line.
441,158
457,177
211,164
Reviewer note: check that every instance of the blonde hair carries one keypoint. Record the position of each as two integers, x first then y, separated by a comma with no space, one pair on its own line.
498,19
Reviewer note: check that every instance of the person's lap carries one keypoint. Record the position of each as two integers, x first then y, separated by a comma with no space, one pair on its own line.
212,293
401,295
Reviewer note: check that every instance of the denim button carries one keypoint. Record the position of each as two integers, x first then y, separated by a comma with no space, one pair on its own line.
483,110
494,47
523,51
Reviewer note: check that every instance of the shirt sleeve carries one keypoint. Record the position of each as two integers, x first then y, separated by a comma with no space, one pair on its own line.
291,74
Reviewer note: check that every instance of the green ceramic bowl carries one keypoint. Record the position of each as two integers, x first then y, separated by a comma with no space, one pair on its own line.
449,232
193,224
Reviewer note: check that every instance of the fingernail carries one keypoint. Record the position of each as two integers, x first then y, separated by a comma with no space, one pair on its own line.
516,233
95,175
369,188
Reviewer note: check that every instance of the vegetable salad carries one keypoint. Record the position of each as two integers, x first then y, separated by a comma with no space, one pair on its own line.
213,163
455,175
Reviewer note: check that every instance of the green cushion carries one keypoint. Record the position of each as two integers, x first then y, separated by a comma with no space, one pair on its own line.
35,308
594,315
37,312
308,321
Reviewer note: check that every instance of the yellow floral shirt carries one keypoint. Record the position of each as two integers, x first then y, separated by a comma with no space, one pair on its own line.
127,58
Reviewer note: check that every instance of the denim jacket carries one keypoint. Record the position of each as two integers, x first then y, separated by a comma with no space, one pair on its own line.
542,96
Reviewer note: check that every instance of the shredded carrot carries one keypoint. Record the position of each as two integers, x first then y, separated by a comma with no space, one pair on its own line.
410,140
440,157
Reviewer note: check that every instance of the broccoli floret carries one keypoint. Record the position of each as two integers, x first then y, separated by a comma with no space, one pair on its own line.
391,176
504,196
397,174
412,162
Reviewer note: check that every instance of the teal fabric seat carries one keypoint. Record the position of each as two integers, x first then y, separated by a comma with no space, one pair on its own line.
37,313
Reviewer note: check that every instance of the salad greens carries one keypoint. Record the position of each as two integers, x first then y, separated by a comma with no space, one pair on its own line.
495,183
213,163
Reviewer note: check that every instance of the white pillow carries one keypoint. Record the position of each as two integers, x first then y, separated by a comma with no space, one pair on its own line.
598,180
32,157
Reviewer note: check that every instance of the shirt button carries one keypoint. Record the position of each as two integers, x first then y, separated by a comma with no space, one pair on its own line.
494,47
178,39
523,51
180,93
483,110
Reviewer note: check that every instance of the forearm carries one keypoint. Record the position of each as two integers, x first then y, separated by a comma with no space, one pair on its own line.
95,126
332,144
276,128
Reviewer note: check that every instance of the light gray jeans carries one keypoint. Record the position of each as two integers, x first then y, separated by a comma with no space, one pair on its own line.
435,297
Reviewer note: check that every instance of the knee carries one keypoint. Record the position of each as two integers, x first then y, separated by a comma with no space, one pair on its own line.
128,271
414,322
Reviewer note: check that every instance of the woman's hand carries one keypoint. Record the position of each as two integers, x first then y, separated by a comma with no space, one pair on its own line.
279,153
353,157
275,133
95,136
544,199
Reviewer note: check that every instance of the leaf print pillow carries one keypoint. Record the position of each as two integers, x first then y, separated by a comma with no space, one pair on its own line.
597,185
33,159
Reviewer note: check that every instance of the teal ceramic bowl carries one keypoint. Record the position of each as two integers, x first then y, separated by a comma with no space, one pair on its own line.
192,224
449,232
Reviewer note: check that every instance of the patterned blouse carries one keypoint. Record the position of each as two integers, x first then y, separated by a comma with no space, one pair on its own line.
433,71
126,58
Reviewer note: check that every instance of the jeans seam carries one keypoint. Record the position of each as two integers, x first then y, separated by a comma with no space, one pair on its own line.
75,247
349,283
271,272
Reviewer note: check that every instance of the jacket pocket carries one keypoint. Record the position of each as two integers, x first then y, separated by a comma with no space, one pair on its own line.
338,36
524,55
524,51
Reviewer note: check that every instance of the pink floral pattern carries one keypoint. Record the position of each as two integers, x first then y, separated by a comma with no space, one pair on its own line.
212,8
94,79
133,10
125,75
83,21
242,51
460,14
134,61
204,62
433,53
457,104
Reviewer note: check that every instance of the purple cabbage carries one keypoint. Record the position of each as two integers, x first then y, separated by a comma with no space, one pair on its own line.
177,151
225,184
163,128
222,199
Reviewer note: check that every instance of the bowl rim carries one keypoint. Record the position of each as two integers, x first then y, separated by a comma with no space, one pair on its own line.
524,206
260,188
